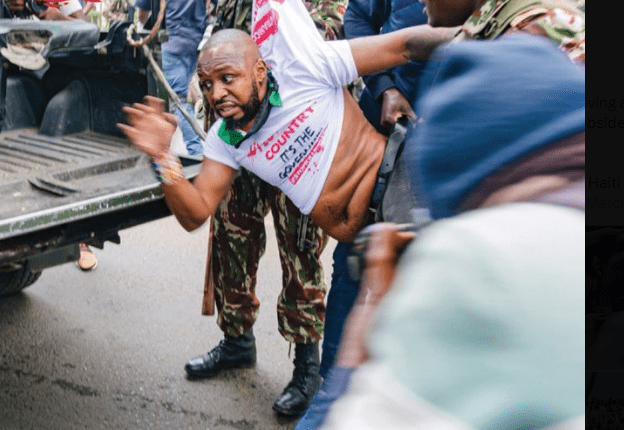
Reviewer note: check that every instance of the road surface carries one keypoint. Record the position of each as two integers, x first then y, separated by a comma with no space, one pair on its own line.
106,349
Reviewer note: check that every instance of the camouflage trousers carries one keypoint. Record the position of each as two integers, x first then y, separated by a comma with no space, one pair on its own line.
238,242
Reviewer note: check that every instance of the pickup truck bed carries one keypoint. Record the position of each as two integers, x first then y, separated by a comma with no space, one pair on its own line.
48,182
66,173
64,177
57,192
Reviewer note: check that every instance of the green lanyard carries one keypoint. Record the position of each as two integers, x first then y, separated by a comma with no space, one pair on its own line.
231,137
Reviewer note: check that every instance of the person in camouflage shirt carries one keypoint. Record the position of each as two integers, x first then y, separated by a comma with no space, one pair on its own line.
327,15
238,241
559,20
110,11
563,23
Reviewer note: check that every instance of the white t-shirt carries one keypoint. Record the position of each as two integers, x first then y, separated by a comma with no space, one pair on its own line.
295,148
69,7
66,7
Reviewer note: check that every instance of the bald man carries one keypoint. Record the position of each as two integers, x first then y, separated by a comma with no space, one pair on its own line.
285,116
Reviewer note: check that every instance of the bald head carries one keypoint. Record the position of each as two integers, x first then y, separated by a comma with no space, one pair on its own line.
237,42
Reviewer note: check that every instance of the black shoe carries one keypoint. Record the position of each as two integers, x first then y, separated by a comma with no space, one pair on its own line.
305,382
231,353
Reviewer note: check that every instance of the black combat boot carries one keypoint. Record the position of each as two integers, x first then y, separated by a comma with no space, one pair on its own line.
305,382
232,352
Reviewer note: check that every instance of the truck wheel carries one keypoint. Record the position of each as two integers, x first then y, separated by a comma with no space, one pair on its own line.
14,279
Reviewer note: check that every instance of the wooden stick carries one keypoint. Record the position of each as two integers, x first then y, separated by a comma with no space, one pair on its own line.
209,295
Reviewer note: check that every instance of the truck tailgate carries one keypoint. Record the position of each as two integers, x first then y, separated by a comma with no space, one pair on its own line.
47,181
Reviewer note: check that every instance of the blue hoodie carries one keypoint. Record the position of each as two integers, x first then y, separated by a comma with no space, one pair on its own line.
484,105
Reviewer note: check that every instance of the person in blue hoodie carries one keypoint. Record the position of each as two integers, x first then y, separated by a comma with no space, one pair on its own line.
479,325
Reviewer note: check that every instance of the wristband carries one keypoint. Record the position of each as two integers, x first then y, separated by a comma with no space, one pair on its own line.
168,168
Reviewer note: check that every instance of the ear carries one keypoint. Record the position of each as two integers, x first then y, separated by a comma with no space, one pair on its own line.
260,72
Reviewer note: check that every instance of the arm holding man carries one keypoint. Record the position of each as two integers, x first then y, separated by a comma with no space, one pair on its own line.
389,94
373,54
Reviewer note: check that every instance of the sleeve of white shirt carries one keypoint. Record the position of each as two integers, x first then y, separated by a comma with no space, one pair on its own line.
72,6
215,148
286,34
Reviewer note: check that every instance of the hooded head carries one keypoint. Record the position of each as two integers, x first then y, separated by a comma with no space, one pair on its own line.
485,105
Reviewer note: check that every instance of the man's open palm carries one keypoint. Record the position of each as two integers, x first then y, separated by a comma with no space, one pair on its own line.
149,127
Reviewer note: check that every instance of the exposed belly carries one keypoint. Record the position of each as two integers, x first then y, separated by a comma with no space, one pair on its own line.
342,208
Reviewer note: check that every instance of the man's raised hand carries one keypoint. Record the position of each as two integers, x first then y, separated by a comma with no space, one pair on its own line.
149,127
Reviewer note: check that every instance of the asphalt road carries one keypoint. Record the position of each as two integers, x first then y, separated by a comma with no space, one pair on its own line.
106,349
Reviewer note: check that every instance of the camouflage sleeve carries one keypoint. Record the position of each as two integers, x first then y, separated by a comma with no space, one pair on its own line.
328,15
565,27
233,14
561,21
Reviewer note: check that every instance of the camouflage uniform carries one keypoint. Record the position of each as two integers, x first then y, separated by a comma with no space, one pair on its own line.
560,21
238,235
327,15
114,10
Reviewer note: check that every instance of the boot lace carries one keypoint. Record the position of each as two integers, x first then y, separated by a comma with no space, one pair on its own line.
214,352
300,374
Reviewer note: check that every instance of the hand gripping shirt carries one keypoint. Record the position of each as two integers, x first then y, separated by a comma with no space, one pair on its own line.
295,148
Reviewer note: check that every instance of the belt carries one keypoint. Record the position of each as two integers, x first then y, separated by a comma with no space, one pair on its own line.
394,146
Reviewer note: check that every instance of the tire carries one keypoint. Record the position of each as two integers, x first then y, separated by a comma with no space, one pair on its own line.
14,280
